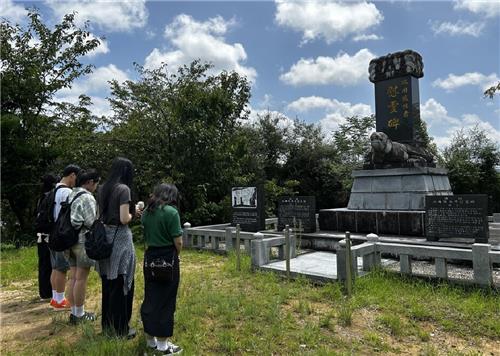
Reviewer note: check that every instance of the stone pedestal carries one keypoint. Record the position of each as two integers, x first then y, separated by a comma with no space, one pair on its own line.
397,188
387,201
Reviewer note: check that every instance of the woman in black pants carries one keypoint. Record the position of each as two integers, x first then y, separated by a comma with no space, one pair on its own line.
117,271
163,237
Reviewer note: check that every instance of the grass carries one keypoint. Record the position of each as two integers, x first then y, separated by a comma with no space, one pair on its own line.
223,311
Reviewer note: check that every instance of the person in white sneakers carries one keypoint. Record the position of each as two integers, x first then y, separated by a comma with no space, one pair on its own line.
83,215
60,265
163,237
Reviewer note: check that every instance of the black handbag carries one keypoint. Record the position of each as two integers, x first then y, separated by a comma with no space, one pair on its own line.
158,268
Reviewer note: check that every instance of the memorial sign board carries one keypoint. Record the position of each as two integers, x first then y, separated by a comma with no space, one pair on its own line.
397,107
463,216
295,211
248,208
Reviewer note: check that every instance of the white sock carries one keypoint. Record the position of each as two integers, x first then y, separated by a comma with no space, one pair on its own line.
54,294
73,310
151,341
79,311
59,297
161,345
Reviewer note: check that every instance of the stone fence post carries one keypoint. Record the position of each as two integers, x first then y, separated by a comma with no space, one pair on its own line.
258,252
187,240
481,264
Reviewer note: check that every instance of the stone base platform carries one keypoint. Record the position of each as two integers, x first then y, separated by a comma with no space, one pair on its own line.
394,222
397,188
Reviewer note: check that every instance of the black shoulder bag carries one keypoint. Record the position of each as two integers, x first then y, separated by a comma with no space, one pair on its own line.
97,246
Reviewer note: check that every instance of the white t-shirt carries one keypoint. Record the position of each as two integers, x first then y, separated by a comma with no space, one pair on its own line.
61,196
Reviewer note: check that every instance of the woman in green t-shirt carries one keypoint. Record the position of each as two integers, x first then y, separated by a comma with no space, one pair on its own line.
163,237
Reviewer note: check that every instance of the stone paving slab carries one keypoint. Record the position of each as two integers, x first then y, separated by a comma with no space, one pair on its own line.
316,265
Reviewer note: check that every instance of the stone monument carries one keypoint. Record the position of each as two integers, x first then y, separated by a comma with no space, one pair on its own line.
248,208
388,194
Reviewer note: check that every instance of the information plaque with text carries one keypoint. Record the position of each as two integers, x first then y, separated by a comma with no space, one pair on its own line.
248,208
462,216
297,211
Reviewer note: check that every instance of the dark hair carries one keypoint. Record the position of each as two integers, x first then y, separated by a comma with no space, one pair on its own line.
71,168
85,175
163,194
122,172
48,182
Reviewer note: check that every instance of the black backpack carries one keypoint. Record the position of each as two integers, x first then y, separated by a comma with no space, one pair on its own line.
44,220
97,246
64,234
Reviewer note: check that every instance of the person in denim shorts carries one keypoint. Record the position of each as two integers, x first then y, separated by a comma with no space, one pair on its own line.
60,265
83,215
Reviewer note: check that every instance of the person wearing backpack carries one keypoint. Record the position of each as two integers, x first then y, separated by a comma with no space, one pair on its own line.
83,213
60,265
163,237
44,265
117,271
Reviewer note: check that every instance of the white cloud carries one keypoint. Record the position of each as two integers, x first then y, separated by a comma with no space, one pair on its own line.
335,111
456,81
193,40
363,37
12,12
103,47
253,117
329,20
435,114
458,28
487,8
96,86
342,70
439,121
109,15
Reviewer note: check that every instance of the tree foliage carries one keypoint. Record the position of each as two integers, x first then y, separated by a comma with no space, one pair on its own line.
36,62
471,159
180,127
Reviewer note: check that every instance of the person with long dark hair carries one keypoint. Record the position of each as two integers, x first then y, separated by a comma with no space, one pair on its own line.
44,265
117,271
163,238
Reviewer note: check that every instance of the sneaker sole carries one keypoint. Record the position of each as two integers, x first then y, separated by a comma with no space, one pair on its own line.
60,309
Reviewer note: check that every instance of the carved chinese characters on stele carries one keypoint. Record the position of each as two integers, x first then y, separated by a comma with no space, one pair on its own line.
398,108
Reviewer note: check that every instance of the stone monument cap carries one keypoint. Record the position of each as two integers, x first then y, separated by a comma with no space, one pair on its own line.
394,65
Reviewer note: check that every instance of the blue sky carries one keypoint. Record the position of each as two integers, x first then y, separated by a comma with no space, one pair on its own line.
305,59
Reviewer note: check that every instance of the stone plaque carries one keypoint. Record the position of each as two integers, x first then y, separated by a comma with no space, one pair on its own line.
464,216
397,107
301,209
248,208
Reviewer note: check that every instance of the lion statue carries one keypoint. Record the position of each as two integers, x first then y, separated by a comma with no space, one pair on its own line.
385,153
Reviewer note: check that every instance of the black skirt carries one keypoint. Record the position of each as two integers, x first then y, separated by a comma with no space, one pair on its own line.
158,307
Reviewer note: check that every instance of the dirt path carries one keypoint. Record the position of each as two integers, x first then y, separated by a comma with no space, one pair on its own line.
28,323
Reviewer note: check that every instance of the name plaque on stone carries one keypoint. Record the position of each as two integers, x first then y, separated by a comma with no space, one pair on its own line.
462,216
248,208
397,107
297,211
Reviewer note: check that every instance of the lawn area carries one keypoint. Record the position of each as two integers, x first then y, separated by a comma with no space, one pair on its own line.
222,311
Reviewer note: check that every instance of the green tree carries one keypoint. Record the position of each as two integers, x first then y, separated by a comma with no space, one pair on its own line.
181,127
36,62
352,143
471,159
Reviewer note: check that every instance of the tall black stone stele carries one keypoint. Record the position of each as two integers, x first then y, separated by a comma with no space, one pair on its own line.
388,194
397,102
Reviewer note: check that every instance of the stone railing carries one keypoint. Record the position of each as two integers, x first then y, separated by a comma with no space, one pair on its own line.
481,256
221,238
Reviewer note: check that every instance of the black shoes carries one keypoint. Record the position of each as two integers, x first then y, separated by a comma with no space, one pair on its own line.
73,319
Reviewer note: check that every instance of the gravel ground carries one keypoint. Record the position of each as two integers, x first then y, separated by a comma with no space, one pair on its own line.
455,271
